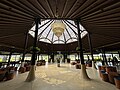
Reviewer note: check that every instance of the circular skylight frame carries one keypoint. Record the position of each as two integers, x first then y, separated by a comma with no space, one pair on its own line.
69,35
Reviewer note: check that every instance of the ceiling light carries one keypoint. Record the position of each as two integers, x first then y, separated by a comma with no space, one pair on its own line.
58,28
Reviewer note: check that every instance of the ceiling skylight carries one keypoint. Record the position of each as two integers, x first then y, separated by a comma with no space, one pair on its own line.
70,34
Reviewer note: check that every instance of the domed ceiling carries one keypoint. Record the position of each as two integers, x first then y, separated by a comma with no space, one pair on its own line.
70,34
101,18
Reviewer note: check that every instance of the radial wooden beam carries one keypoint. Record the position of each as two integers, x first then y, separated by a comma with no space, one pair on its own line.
13,11
72,7
42,7
64,8
36,8
108,36
112,13
8,16
25,7
49,6
82,7
107,8
88,8
103,20
38,13
7,36
14,4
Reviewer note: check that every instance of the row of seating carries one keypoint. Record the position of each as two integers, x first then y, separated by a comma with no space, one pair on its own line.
24,69
78,66
7,73
110,74
41,62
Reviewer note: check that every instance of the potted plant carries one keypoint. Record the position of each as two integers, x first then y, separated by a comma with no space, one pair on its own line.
77,48
37,49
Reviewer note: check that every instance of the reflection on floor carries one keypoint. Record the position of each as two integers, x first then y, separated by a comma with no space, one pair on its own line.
52,77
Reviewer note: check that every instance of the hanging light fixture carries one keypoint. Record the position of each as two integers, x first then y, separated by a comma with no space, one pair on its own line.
58,28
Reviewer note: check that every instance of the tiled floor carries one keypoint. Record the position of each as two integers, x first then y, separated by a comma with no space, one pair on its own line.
51,77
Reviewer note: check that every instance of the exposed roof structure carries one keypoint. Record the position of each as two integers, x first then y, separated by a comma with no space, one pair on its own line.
101,18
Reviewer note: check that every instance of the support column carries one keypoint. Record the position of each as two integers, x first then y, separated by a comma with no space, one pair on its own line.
48,56
103,61
112,55
91,50
88,57
75,56
119,53
52,53
9,59
65,58
15,58
105,57
83,67
31,75
52,57
24,52
78,55
38,57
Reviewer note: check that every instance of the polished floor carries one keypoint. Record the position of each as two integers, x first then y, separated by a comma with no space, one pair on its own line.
51,77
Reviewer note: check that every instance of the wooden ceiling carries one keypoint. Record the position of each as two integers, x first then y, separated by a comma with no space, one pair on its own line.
99,17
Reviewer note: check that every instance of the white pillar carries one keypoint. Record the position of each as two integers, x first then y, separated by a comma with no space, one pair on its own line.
31,75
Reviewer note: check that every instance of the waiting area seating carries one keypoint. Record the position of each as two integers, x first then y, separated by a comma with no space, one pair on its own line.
117,81
41,62
7,73
110,74
76,63
89,63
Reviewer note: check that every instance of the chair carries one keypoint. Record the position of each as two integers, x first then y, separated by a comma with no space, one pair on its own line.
110,69
2,75
111,76
105,77
22,69
10,75
78,66
117,82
